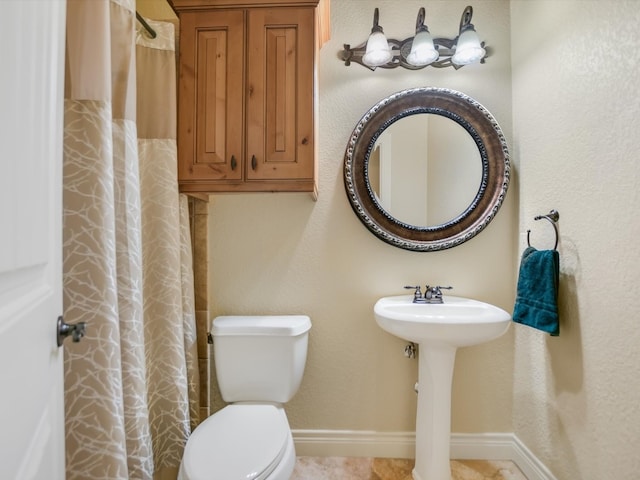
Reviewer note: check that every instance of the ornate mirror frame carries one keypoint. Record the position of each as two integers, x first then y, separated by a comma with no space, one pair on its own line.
484,130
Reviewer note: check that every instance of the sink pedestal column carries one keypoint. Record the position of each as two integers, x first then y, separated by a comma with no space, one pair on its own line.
433,419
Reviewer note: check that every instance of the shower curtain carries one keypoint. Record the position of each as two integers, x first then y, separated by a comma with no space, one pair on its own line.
131,385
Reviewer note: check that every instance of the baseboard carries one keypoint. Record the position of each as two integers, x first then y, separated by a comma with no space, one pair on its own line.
530,465
481,446
354,443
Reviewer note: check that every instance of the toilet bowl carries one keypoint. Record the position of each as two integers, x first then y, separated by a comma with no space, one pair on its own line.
247,441
259,362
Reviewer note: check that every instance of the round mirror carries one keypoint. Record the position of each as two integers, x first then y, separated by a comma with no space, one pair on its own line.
426,169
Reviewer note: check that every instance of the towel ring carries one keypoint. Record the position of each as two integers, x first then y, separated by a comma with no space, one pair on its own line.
553,216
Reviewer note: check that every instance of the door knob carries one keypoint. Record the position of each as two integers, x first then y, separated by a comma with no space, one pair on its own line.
76,330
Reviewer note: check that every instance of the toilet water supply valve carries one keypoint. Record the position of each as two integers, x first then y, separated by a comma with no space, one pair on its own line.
410,351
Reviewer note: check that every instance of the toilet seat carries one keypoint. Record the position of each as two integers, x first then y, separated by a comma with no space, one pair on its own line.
240,442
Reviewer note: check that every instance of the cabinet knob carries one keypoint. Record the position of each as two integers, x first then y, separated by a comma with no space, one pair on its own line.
234,163
254,162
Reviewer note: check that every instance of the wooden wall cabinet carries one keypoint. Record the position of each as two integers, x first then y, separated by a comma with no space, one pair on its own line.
247,96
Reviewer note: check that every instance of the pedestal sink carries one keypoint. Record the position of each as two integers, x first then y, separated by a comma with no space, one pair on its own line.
439,329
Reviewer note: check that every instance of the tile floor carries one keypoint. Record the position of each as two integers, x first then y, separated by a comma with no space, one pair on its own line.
351,468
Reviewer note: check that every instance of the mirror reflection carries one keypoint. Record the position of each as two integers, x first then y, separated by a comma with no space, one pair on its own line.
425,169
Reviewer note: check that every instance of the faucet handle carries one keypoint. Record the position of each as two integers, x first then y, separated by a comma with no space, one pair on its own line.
417,293
435,290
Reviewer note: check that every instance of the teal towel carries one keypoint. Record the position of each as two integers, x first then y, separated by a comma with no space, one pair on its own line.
537,296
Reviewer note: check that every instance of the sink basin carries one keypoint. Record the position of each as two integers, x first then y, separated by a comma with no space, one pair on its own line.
458,322
440,329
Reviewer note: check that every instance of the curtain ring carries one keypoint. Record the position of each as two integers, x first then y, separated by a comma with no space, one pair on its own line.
553,217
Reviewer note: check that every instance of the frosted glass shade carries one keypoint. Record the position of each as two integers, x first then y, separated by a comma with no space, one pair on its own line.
468,48
378,51
423,51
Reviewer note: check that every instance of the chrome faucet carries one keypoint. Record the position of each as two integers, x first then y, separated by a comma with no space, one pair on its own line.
431,294
417,295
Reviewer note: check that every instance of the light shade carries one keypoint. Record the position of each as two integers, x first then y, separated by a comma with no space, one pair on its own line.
468,48
378,51
423,52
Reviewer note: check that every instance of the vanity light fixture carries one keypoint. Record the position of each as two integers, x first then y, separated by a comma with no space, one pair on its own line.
420,50
378,51
468,48
423,51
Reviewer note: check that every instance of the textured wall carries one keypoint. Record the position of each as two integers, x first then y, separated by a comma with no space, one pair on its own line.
575,71
284,253
155,9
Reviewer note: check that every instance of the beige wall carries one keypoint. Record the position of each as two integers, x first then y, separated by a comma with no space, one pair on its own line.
576,105
285,253
155,9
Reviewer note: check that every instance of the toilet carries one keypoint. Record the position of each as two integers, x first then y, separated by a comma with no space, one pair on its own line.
259,362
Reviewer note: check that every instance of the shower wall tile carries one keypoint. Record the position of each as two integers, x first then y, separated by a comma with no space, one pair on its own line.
204,385
200,207
202,329
204,413
199,217
200,258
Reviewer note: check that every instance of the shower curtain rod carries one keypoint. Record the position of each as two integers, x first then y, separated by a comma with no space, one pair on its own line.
146,26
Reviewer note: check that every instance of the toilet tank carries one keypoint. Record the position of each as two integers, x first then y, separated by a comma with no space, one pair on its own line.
260,358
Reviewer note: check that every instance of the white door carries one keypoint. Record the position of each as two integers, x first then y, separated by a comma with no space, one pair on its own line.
31,93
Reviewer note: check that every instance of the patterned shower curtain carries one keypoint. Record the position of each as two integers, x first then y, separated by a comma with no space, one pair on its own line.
131,385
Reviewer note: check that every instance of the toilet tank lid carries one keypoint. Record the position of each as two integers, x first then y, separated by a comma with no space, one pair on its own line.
276,325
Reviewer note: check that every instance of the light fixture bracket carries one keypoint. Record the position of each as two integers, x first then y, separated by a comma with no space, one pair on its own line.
376,16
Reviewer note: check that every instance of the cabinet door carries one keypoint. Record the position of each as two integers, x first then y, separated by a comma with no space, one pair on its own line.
210,115
280,94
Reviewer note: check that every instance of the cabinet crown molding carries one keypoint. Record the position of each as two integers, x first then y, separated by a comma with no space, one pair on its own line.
184,5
